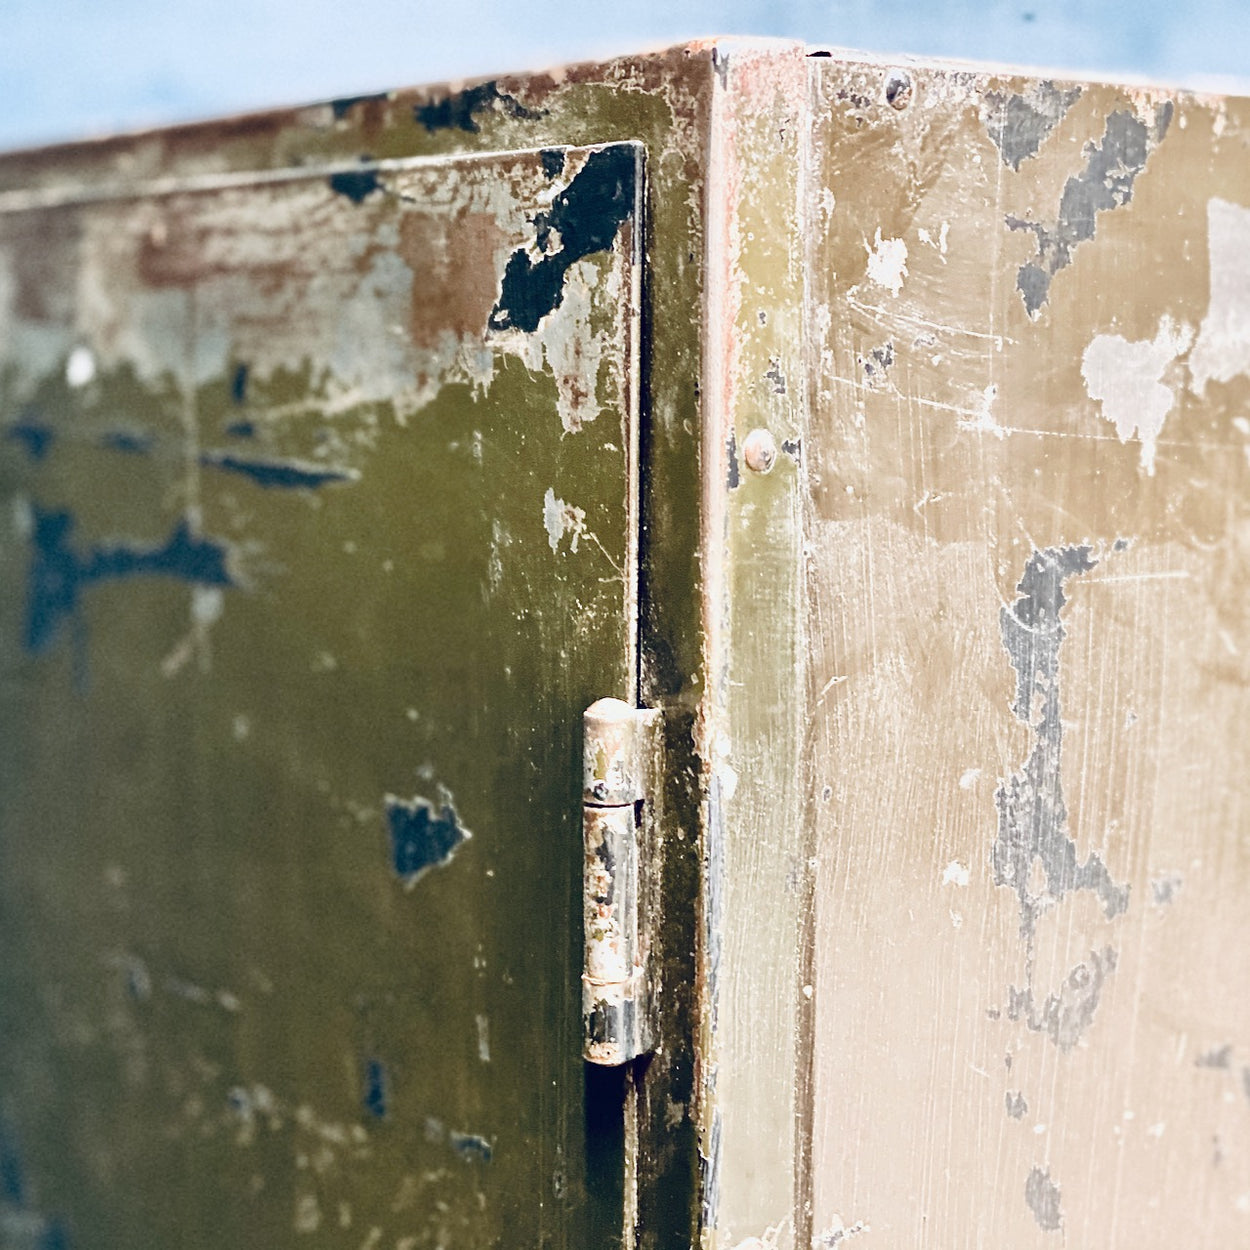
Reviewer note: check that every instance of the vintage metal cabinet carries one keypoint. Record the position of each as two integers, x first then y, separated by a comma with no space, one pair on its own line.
885,429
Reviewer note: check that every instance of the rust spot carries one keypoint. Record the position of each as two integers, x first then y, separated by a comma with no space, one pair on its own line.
459,272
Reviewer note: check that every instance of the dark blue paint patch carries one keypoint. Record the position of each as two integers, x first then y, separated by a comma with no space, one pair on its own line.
471,1148
58,576
241,429
421,838
356,184
460,110
276,473
345,104
238,385
587,215
553,161
376,1089
35,437
12,1173
53,1237
128,443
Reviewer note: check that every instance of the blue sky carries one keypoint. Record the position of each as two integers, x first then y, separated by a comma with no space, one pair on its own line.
74,67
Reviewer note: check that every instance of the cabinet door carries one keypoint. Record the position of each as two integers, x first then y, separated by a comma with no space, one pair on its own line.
318,534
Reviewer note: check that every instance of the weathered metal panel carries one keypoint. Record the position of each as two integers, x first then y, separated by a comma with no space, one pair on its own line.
1029,465
320,533
751,730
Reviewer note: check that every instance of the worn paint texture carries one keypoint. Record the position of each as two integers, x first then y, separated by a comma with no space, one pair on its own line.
1027,574
346,457
292,691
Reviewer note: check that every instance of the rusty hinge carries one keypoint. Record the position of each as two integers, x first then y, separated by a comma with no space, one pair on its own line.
621,750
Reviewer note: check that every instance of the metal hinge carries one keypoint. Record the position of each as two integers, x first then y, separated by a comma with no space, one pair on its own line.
621,752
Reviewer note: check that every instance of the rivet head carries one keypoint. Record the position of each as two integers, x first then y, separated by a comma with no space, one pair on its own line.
759,451
898,88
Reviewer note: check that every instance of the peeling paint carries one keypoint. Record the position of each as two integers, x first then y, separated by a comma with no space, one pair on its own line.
356,185
421,837
1016,1104
462,110
1042,1196
584,218
1018,124
1217,1057
887,263
470,1147
1106,182
562,519
1222,350
376,1097
1032,813
1067,1014
58,577
1163,890
284,474
1125,378
31,434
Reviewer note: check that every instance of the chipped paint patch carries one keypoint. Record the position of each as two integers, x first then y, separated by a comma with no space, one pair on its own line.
984,421
1106,183
956,874
1032,813
282,474
59,577
80,368
1163,890
583,219
1041,1194
1125,378
1222,350
1019,124
1016,1104
421,837
462,109
561,519
838,1232
887,263
1067,1014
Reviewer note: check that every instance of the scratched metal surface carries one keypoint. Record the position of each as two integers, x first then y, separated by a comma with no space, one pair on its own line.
1029,628
319,535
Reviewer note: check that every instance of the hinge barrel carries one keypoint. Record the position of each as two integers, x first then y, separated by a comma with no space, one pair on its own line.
620,752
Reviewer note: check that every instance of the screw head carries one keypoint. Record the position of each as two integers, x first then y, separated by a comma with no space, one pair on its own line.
898,89
759,451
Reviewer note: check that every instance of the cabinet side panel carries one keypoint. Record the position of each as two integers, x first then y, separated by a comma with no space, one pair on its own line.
1029,536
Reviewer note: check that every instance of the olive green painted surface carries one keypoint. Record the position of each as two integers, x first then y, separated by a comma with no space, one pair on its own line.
333,546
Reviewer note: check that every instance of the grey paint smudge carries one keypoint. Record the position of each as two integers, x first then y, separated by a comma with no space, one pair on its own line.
1163,890
1105,183
1067,1013
1245,1081
1217,1057
1018,124
1017,1106
1042,1196
1032,813
876,364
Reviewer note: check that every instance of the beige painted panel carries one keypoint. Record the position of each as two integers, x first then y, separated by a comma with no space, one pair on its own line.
1029,542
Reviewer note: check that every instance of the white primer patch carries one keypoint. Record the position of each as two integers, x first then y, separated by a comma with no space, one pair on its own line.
1124,376
956,874
80,367
1223,347
887,263
560,518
